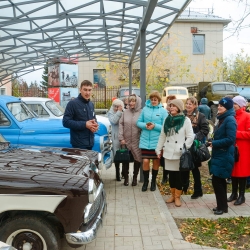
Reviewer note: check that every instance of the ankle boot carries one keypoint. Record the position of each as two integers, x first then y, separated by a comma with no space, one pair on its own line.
234,194
117,171
164,177
242,186
177,200
153,181
172,197
136,171
145,183
125,173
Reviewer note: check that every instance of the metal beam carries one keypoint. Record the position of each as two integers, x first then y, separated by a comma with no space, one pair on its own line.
145,21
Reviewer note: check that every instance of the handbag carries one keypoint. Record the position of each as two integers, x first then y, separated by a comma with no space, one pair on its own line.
186,161
200,151
236,154
123,155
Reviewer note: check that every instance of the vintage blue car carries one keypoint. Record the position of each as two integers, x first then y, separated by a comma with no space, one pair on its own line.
19,125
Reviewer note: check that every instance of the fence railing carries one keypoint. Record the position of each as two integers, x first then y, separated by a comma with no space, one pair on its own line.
101,97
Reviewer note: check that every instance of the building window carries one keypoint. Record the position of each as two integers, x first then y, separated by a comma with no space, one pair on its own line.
99,78
198,44
2,91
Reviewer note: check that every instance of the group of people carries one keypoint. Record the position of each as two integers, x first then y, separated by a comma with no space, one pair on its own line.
158,134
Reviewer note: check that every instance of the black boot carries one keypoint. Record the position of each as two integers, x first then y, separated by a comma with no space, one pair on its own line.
164,177
125,173
242,186
145,183
117,171
234,194
136,171
153,181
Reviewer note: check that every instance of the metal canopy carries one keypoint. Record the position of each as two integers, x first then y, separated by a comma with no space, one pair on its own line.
33,32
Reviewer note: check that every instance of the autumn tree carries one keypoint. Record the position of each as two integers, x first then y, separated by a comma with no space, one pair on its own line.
237,69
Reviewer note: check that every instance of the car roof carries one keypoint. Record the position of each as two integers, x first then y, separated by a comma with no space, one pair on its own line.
9,98
36,99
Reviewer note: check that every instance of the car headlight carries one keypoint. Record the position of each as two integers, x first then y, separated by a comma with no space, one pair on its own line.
92,191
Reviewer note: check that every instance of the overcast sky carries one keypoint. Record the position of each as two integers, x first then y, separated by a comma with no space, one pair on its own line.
223,8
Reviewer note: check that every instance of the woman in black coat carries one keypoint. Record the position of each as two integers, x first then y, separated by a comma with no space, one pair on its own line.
200,129
222,159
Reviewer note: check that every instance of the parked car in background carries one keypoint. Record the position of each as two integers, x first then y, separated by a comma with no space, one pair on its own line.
49,193
19,125
124,91
178,91
48,108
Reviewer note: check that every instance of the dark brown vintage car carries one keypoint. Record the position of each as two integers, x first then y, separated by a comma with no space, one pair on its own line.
49,193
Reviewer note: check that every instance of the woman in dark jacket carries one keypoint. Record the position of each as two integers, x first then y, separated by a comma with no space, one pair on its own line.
200,129
222,159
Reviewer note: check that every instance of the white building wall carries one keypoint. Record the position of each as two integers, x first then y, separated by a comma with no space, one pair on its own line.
202,66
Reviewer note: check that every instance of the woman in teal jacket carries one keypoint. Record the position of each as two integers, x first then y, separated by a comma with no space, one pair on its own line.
150,121
222,159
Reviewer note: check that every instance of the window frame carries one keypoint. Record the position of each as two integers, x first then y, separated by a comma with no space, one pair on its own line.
196,52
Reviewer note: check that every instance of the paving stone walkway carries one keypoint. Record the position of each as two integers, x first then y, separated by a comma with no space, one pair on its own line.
138,220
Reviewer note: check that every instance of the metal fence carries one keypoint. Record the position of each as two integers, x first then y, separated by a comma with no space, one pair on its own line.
101,97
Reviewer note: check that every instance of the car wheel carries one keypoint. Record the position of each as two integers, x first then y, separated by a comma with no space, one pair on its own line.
30,233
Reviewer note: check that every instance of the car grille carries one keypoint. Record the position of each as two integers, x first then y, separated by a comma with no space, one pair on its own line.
96,205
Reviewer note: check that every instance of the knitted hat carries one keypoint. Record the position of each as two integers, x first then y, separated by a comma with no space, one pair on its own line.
240,100
226,102
178,103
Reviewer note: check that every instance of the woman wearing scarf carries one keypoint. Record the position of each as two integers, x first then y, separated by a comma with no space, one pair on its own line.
176,130
200,131
241,169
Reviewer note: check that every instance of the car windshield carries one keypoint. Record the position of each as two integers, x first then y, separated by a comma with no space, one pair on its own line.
125,92
177,92
20,111
224,87
55,108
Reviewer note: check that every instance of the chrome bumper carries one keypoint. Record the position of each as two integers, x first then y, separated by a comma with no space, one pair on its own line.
86,237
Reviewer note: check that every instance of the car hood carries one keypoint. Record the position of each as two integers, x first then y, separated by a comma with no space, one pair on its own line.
46,168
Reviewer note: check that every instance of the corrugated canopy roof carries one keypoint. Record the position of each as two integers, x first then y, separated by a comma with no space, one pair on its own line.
33,32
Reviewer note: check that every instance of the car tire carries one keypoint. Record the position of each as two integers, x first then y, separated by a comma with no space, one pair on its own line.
30,231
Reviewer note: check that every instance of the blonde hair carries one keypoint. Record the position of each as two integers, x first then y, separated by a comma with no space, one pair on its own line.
155,94
132,98
193,100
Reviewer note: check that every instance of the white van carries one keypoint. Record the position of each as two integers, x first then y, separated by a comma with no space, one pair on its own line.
179,92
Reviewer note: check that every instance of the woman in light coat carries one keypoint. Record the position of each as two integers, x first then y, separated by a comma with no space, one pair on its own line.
176,130
129,135
150,122
241,169
114,115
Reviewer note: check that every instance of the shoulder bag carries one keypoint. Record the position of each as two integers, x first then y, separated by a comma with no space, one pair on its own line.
200,151
236,153
186,161
123,155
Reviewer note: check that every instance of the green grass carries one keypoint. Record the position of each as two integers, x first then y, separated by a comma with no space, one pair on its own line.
225,233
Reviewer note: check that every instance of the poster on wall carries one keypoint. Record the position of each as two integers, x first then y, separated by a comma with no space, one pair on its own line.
53,76
99,78
67,94
54,93
68,75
